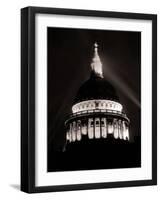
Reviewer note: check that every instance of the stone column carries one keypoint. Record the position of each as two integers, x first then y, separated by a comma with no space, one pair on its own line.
67,136
90,128
122,133
74,131
84,127
119,129
78,130
116,135
97,127
124,130
110,128
104,128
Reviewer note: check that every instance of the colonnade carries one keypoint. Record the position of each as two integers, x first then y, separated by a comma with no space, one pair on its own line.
97,128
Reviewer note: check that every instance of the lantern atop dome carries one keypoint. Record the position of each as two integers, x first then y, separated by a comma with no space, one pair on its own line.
96,64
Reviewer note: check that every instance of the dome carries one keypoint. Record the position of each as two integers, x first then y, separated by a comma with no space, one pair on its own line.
96,87
96,112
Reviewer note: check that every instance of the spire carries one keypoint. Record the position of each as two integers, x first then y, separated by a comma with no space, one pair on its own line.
96,64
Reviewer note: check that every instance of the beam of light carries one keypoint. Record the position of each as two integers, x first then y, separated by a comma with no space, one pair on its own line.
121,84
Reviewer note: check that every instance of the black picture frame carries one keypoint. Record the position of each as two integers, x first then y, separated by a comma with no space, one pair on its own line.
28,98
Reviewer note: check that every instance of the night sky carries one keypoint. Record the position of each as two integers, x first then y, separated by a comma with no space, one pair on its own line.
69,56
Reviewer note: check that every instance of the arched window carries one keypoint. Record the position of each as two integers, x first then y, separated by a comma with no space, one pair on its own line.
102,123
97,123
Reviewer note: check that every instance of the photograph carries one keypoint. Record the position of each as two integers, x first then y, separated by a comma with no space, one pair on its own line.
89,99
93,99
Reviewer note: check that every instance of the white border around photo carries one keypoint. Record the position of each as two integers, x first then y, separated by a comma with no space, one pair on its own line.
44,178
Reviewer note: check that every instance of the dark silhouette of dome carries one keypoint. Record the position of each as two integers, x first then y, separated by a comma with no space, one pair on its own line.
96,87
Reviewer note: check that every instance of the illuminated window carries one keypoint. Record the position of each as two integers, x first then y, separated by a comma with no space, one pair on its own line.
102,123
97,123
92,123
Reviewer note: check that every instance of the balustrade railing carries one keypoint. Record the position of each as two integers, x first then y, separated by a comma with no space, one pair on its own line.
107,111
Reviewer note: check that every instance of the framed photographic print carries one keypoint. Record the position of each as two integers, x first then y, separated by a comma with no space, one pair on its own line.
88,99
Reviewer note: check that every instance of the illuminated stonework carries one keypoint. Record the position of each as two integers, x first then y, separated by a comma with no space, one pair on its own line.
97,112
97,104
